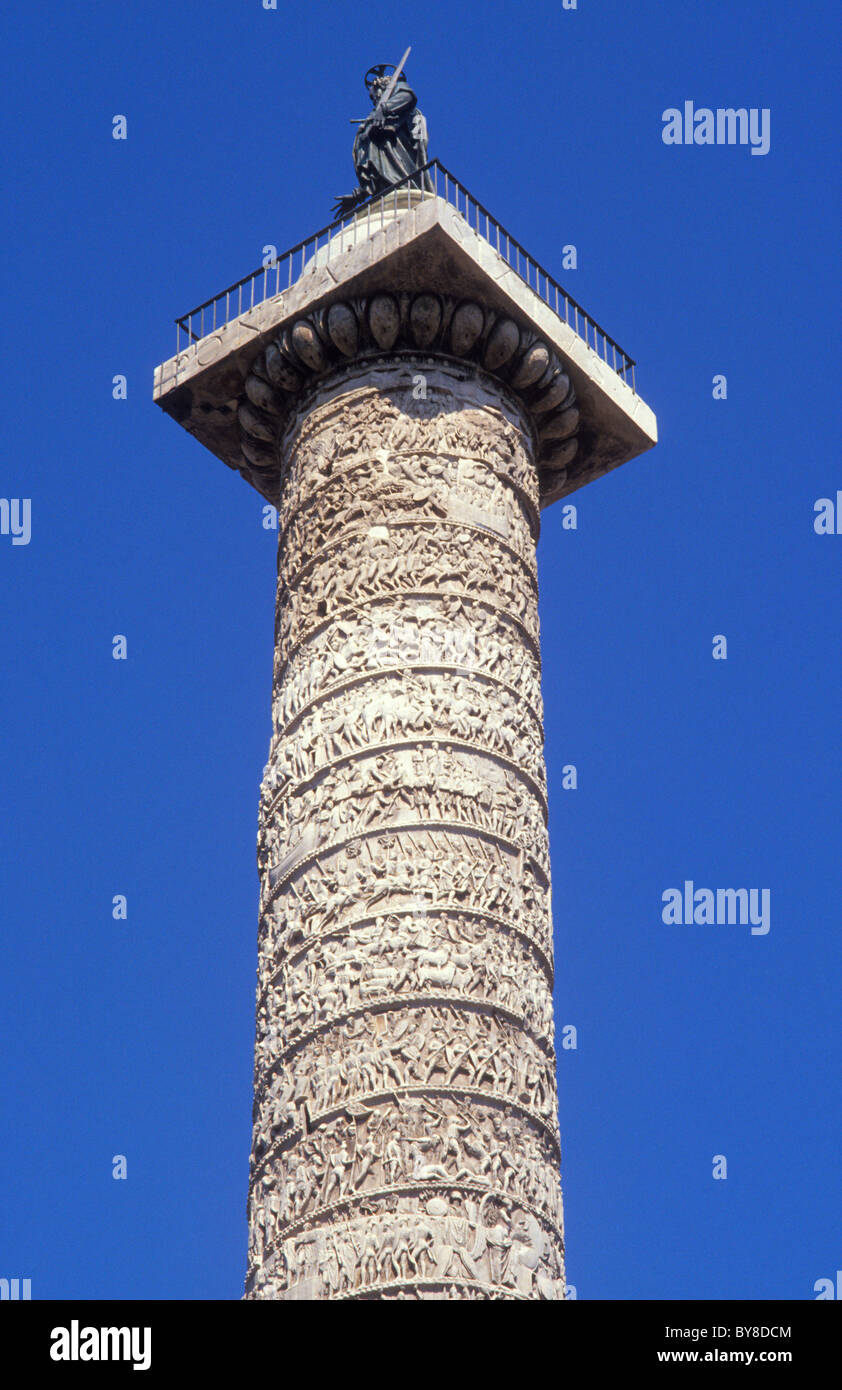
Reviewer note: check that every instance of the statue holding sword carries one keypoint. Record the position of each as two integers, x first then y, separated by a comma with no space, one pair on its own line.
391,141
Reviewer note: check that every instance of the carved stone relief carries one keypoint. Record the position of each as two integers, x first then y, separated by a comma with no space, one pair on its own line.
405,1120
420,326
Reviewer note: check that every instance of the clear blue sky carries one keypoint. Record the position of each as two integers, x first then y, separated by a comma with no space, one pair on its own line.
141,777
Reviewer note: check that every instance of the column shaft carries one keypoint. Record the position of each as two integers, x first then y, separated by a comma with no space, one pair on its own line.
405,1139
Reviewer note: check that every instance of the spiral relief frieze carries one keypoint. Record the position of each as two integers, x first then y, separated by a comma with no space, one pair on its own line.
405,1122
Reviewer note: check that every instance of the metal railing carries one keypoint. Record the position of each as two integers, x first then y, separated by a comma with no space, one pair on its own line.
272,279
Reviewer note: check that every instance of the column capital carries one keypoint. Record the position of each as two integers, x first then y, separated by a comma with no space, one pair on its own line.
419,280
422,329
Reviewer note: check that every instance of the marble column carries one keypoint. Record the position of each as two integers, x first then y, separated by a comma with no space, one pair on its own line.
408,403
405,1138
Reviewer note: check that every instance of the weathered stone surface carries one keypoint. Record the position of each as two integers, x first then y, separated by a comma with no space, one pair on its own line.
255,424
531,367
562,456
344,329
405,1138
308,346
465,330
261,394
425,319
279,370
384,320
561,426
553,395
414,243
503,341
409,404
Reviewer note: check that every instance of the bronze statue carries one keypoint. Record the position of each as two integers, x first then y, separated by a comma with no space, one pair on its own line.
391,142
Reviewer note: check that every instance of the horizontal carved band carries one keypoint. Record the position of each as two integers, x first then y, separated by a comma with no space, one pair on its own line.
345,1207
434,913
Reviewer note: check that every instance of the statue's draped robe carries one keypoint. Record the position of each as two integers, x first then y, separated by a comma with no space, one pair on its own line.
384,154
